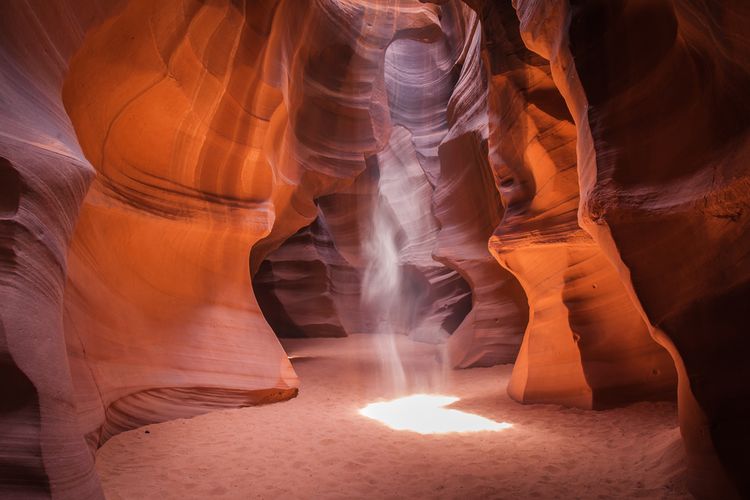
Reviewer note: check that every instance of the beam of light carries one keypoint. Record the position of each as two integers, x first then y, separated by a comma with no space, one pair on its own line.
426,414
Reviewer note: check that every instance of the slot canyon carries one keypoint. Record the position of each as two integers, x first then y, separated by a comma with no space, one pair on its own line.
374,249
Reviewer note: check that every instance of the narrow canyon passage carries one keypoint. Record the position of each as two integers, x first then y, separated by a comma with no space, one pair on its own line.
374,249
318,445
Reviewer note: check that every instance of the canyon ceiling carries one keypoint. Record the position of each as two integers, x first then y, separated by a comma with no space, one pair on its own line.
178,179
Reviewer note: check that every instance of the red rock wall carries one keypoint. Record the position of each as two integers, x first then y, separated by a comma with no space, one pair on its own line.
43,179
212,127
492,330
301,286
421,177
165,230
586,344
159,310
212,132
658,91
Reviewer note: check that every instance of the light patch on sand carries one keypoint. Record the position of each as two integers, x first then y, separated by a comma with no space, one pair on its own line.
426,414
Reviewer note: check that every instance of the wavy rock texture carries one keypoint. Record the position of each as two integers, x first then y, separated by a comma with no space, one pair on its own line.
43,179
213,129
409,168
216,135
158,308
217,130
228,139
662,152
418,188
491,331
585,345
299,286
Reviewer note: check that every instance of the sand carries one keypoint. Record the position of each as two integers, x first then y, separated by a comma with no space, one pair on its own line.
318,445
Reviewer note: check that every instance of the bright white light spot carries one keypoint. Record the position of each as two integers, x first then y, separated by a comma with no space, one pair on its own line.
426,414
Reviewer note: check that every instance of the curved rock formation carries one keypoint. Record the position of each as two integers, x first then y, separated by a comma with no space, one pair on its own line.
418,189
213,127
585,345
158,309
662,130
43,179
298,285
225,139
215,137
490,333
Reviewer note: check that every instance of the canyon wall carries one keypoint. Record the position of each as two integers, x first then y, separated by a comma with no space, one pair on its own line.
586,344
214,127
468,207
658,94
210,133
417,187
159,311
43,179
302,286
155,156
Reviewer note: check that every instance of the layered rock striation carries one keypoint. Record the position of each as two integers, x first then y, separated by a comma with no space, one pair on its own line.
180,181
216,131
302,287
661,128
586,344
413,193
44,177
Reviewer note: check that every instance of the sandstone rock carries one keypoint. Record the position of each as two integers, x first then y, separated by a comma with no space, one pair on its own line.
298,286
586,344
43,179
212,127
468,208
492,330
662,122
159,310
419,187
204,142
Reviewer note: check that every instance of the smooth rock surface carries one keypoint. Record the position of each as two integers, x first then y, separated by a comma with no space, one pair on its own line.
433,188
43,179
662,129
176,175
586,344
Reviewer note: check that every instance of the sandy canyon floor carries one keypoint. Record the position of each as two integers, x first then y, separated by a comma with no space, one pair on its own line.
319,446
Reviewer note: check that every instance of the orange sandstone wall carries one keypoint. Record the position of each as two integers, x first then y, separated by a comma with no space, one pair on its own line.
586,344
212,127
211,132
159,311
468,207
658,93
